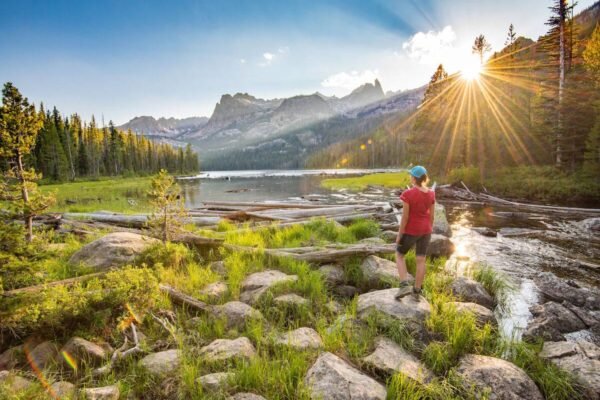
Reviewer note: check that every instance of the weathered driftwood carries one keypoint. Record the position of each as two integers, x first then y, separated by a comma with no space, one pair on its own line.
65,282
135,221
183,299
322,256
464,195
264,206
120,353
538,207
315,212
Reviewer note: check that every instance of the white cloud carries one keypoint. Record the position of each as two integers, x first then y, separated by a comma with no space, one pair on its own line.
431,47
242,61
267,59
283,50
350,80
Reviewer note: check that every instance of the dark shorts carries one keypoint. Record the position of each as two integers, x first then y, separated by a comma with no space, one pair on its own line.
408,241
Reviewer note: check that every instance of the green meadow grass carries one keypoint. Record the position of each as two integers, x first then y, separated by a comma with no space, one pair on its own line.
103,194
358,183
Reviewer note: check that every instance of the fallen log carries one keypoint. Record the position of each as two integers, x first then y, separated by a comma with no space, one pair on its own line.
42,286
216,204
136,221
316,212
183,299
538,207
323,256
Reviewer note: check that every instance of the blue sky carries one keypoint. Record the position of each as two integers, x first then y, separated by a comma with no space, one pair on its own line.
124,58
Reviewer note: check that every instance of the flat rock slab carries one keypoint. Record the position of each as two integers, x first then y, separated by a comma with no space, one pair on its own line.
580,359
246,396
558,290
471,291
102,393
333,274
216,381
440,246
558,349
389,236
214,290
551,320
290,299
43,355
255,285
162,363
15,382
331,378
236,314
499,377
482,314
266,278
384,301
301,339
63,390
391,358
226,349
12,357
113,250
377,270
84,351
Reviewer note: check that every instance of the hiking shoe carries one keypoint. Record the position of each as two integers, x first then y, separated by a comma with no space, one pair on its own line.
404,289
416,293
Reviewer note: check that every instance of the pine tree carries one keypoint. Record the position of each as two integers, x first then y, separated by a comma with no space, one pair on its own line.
510,37
19,126
169,213
480,47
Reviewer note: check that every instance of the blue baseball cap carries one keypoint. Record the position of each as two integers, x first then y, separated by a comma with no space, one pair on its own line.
418,171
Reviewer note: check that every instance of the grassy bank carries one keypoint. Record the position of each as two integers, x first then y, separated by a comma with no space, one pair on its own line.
126,195
537,184
100,309
358,183
542,184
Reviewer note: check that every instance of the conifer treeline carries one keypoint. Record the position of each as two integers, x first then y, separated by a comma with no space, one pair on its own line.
69,148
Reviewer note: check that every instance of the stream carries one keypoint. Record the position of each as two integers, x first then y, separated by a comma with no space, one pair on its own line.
526,243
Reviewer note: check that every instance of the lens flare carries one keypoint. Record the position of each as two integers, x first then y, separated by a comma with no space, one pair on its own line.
38,371
70,360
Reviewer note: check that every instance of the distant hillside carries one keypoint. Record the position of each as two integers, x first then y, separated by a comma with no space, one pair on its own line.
164,127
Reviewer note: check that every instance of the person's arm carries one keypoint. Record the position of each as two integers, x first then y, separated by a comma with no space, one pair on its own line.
403,220
432,213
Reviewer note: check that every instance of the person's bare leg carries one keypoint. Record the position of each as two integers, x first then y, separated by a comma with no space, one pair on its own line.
401,264
420,273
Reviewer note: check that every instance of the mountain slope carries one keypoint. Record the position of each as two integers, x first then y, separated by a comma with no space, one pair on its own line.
164,127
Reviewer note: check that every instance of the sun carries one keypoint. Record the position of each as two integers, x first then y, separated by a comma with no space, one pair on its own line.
471,68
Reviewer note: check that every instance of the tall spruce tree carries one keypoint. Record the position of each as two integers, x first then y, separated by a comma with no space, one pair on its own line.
19,126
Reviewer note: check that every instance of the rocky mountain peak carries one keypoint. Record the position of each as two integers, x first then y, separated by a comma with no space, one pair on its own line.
364,94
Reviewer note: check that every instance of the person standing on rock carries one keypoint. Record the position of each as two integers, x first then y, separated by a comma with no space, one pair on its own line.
418,210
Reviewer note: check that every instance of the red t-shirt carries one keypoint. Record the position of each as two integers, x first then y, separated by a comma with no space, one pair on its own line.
419,214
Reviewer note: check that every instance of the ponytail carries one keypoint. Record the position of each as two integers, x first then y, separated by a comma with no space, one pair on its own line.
422,180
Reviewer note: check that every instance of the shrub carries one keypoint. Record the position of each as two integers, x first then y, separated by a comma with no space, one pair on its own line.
62,309
169,255
364,228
